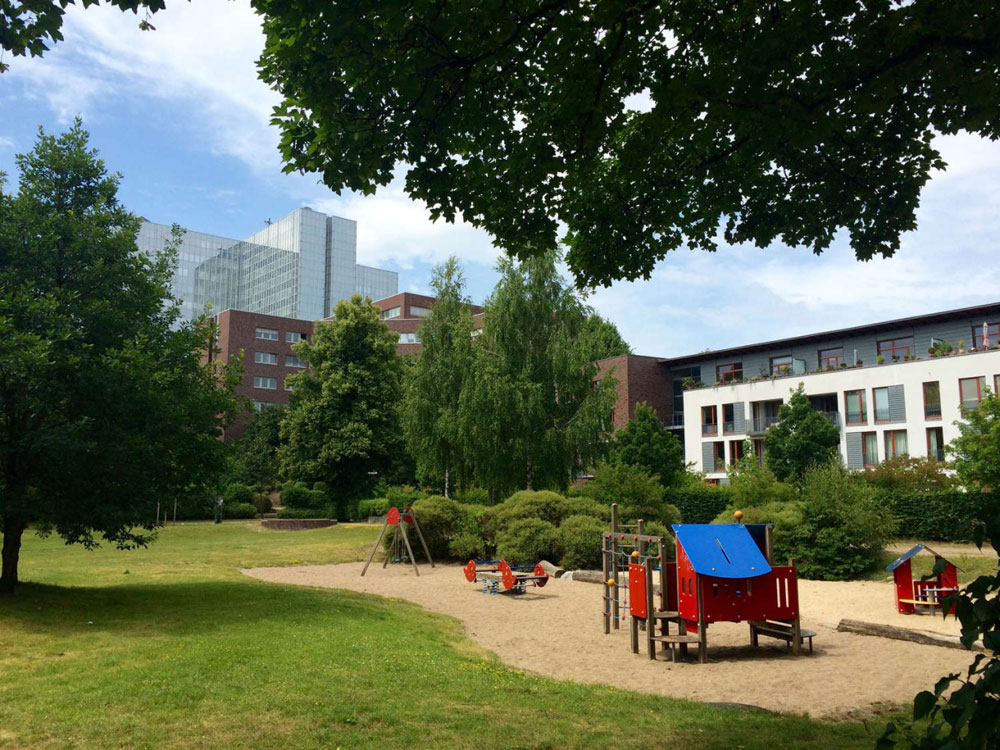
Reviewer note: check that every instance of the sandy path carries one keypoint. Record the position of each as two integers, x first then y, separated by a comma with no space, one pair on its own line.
557,631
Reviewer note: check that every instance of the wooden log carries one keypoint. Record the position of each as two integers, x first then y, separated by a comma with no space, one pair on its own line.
903,634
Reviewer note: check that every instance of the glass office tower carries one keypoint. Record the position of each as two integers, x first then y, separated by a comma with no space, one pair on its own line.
297,267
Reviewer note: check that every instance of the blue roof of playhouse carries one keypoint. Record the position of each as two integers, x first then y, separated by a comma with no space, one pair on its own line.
721,550
910,553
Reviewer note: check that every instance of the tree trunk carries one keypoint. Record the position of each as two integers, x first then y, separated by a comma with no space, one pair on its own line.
446,483
13,527
494,495
530,479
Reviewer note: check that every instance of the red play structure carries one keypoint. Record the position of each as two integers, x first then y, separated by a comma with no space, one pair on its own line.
393,518
722,574
513,578
913,593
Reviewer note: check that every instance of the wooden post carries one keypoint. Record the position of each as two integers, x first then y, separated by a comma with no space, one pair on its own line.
702,635
650,612
769,544
606,568
664,623
616,614
402,527
797,625
420,535
393,546
377,542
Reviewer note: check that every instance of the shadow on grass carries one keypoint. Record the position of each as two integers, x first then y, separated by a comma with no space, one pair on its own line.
185,608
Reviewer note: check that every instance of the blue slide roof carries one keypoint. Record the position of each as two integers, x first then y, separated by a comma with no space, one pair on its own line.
721,550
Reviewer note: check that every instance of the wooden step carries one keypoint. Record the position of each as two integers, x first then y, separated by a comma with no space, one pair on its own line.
677,638
666,615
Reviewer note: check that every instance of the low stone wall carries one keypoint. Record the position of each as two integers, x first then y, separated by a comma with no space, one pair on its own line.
297,524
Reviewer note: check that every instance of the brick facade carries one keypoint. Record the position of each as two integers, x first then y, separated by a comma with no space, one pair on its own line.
640,379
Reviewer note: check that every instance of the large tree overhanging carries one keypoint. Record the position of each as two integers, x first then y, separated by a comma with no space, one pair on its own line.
769,121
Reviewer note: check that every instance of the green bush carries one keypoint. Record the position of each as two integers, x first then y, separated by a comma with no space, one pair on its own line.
586,506
300,513
239,510
376,506
579,543
404,496
637,492
238,493
473,496
467,546
546,506
845,525
786,517
439,518
194,508
653,528
527,541
699,503
297,496
944,515
262,502
576,490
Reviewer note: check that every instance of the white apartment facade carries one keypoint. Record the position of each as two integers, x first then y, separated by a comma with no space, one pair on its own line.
883,410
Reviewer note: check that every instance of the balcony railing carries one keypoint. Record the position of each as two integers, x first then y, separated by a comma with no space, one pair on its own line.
833,416
760,424
710,429
677,419
729,427
932,412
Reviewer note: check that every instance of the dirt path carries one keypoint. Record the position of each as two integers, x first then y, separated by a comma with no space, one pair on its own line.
557,631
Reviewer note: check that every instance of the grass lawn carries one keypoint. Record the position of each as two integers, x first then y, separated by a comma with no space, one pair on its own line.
171,647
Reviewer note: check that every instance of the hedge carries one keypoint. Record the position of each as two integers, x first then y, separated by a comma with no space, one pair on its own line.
699,504
239,510
944,515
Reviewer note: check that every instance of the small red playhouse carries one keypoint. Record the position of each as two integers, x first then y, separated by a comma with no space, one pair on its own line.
912,593
721,575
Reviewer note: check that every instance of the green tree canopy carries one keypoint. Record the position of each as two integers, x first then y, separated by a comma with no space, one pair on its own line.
803,438
257,449
342,424
106,408
646,443
434,387
529,411
601,339
765,121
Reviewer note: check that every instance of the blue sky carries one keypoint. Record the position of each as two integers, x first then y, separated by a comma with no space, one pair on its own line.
179,111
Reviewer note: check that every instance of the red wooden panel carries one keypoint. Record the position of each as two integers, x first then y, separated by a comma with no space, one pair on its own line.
669,582
772,596
687,598
903,578
949,580
637,590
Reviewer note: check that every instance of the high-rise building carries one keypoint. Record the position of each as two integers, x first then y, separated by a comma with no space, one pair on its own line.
296,267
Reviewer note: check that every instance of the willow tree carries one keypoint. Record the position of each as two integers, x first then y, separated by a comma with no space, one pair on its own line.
531,412
434,387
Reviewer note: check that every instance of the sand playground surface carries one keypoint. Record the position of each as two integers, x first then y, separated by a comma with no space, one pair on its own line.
557,631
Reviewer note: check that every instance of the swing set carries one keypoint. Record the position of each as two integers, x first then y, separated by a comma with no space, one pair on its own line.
399,538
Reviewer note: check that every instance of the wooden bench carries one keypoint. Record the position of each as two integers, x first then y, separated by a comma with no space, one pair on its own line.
780,630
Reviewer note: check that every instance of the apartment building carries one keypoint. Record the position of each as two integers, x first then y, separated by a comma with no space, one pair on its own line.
405,312
880,383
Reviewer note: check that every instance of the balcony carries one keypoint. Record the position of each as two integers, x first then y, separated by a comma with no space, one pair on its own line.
728,428
676,419
932,411
710,429
760,424
833,416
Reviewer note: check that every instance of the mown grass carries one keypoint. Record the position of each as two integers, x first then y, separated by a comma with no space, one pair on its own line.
181,651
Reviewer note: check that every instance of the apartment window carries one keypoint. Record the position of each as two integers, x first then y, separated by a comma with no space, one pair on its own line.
971,391
294,337
880,396
419,312
855,407
992,333
392,312
289,386
869,448
895,444
728,418
709,421
932,400
270,384
781,365
896,348
266,334
409,338
935,443
729,373
720,456
735,451
258,405
831,357
293,361
265,358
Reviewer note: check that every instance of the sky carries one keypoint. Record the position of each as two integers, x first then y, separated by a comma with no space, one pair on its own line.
180,113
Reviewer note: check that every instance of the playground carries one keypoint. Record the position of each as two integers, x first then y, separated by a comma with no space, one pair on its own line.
556,631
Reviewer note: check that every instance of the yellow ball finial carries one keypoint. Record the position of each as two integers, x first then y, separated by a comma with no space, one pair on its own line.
635,553
738,515
611,581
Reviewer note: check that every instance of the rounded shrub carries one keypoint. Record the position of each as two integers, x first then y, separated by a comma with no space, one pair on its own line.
297,496
579,542
239,510
376,506
655,528
238,493
467,546
473,496
542,505
262,502
585,506
527,541
439,519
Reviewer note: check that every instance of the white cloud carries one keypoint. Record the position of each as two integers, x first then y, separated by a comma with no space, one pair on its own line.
6,142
